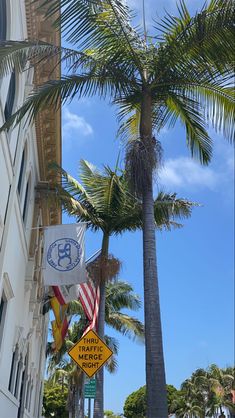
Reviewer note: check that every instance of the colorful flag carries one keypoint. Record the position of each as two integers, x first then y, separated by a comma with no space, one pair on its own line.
89,293
64,254
59,332
59,310
95,311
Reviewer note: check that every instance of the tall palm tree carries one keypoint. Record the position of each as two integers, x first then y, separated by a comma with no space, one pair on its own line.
182,72
119,295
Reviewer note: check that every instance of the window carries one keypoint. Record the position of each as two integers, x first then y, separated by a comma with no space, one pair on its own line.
22,167
26,198
8,198
3,20
10,96
18,377
5,296
3,308
29,394
21,397
23,388
14,362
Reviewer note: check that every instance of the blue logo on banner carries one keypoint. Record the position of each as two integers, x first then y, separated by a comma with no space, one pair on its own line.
64,254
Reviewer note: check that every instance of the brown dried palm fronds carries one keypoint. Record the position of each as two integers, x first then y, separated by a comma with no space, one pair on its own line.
143,156
110,268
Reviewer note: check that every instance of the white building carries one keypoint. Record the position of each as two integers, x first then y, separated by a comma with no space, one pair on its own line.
25,153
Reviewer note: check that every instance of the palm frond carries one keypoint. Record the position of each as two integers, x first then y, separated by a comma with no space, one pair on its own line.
219,106
14,55
126,325
205,39
55,92
112,343
112,364
167,208
85,12
103,25
190,113
120,295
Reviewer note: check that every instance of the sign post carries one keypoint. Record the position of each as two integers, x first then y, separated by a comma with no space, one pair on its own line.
90,353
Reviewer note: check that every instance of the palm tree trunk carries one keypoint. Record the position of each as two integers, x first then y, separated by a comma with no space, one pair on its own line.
155,369
81,397
76,399
99,400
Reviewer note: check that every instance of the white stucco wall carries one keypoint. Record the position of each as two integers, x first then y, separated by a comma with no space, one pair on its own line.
20,278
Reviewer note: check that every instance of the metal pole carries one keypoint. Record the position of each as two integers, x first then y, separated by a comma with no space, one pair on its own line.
89,407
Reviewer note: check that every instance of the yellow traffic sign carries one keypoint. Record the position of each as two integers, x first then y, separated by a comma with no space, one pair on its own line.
90,353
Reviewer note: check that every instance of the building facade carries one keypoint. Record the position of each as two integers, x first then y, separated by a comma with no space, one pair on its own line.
25,154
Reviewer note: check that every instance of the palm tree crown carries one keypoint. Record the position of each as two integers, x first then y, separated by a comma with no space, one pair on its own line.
186,69
104,201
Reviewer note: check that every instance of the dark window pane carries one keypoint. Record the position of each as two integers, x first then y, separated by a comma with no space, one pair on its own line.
10,96
26,201
8,198
17,379
12,369
21,171
2,305
21,399
3,20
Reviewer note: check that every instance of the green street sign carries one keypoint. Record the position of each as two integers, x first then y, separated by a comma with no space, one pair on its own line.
90,389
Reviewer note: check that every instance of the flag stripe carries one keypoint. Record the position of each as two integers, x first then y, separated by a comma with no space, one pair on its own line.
86,304
58,294
94,322
90,292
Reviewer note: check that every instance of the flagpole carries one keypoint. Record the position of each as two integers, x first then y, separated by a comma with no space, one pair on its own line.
93,255
48,226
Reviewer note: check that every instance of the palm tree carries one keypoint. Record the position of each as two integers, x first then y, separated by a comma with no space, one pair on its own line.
207,392
182,72
194,392
220,383
104,201
188,408
119,295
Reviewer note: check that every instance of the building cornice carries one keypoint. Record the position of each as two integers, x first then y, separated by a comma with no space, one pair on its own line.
48,121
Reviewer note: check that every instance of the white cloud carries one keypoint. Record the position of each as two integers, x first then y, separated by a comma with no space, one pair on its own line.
188,174
184,172
75,126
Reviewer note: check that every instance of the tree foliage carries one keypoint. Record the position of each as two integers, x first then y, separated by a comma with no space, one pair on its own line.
205,393
103,200
110,414
135,404
55,400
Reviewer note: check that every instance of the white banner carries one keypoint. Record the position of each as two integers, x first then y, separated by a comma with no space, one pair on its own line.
64,254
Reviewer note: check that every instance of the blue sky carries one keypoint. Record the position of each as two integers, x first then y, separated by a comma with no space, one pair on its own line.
195,263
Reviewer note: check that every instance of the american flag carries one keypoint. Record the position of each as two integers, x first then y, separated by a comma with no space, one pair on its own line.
90,300
89,295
